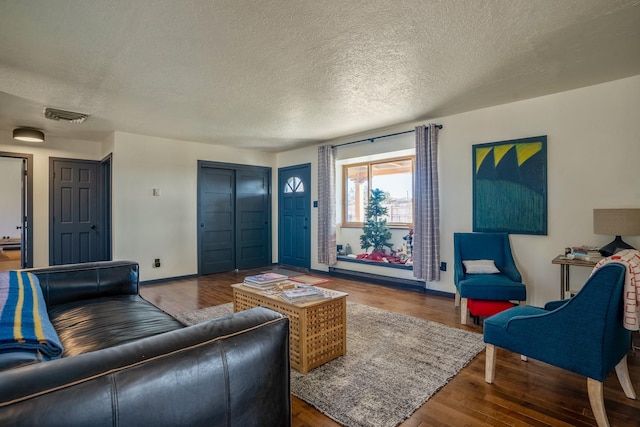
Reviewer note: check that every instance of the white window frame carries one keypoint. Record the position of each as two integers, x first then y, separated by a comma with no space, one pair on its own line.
369,164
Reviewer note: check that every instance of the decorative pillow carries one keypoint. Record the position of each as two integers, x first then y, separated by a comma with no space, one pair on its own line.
480,266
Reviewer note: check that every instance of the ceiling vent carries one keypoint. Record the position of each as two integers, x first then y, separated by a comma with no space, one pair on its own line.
67,116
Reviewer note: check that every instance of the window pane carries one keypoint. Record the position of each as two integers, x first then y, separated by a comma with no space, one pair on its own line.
294,185
357,192
395,178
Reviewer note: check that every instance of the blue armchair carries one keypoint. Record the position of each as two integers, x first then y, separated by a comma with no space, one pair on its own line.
503,286
584,335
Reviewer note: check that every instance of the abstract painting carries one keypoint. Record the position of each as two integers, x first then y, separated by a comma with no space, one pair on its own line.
510,186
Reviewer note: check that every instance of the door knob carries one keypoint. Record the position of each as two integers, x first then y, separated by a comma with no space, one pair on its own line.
93,226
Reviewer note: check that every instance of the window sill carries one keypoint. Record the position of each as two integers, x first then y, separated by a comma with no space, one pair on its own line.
375,263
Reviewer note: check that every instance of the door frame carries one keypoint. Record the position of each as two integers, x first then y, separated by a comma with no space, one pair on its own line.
105,181
27,208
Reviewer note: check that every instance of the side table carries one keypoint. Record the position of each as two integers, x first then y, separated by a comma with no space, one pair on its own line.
565,263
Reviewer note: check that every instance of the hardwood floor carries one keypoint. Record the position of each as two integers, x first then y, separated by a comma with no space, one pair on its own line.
9,259
523,394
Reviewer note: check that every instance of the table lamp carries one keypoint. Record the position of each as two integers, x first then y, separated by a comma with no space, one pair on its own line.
616,222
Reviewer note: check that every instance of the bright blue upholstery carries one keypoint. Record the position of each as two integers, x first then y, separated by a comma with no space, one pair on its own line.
584,335
506,285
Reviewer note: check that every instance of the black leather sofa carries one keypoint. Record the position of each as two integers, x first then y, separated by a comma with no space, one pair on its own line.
127,363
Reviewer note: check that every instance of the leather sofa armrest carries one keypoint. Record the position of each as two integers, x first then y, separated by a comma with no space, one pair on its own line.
231,371
72,282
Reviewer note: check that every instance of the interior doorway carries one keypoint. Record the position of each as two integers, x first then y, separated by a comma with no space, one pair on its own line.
16,223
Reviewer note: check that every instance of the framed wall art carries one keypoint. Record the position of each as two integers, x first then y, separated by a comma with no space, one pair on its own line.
510,186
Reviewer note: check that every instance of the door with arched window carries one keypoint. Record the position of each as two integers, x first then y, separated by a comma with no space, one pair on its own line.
294,216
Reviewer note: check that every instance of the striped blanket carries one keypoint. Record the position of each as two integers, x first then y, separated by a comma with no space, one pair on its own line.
630,258
24,323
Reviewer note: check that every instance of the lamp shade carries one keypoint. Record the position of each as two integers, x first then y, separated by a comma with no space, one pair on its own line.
28,135
616,222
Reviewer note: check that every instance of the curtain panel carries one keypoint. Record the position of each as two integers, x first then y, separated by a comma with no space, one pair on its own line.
426,206
327,251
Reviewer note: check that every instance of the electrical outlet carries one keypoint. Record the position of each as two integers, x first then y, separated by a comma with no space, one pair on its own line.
443,266
156,263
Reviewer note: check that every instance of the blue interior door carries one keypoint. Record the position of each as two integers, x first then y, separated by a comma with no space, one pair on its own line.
216,218
234,216
253,225
294,216
75,232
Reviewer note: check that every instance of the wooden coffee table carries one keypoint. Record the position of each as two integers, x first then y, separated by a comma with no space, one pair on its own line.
317,330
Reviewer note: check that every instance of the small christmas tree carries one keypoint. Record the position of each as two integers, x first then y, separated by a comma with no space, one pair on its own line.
376,232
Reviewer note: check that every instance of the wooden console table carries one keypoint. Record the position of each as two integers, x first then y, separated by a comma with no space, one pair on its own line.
565,263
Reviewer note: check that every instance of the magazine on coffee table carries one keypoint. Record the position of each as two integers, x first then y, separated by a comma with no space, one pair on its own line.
265,279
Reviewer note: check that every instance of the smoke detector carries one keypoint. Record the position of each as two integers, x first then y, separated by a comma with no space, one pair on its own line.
67,116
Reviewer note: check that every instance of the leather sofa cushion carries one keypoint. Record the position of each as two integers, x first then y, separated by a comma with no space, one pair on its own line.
95,324
14,358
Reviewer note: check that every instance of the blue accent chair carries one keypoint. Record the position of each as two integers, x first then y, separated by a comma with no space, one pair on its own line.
504,286
584,335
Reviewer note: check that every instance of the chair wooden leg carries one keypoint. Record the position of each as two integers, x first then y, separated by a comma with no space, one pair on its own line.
596,398
457,299
490,363
464,311
622,370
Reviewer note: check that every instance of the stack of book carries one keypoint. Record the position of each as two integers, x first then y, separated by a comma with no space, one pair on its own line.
265,280
303,294
586,253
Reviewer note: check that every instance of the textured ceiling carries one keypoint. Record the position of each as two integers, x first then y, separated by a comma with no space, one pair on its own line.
279,74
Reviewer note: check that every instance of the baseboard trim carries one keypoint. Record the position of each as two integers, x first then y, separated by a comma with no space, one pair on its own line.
393,282
168,279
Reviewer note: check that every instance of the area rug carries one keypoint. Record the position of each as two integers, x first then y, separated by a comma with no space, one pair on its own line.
394,363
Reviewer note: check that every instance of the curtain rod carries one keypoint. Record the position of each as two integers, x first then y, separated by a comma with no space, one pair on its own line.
379,137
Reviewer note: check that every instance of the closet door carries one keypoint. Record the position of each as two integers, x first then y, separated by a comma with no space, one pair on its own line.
216,200
234,217
253,245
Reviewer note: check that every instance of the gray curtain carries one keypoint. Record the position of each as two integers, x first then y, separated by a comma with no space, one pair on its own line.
426,206
327,251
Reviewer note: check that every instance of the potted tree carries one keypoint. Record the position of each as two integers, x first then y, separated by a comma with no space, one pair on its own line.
376,233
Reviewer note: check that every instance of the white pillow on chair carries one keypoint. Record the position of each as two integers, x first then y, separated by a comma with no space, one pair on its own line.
480,266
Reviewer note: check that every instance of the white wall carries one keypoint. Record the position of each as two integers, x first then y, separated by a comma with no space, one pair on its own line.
593,144
147,227
10,194
52,147
593,149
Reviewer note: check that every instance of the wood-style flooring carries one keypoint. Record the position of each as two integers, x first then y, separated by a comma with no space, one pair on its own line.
9,259
523,394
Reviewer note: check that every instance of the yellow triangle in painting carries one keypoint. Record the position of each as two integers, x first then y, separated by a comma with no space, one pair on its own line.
499,151
527,150
481,154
